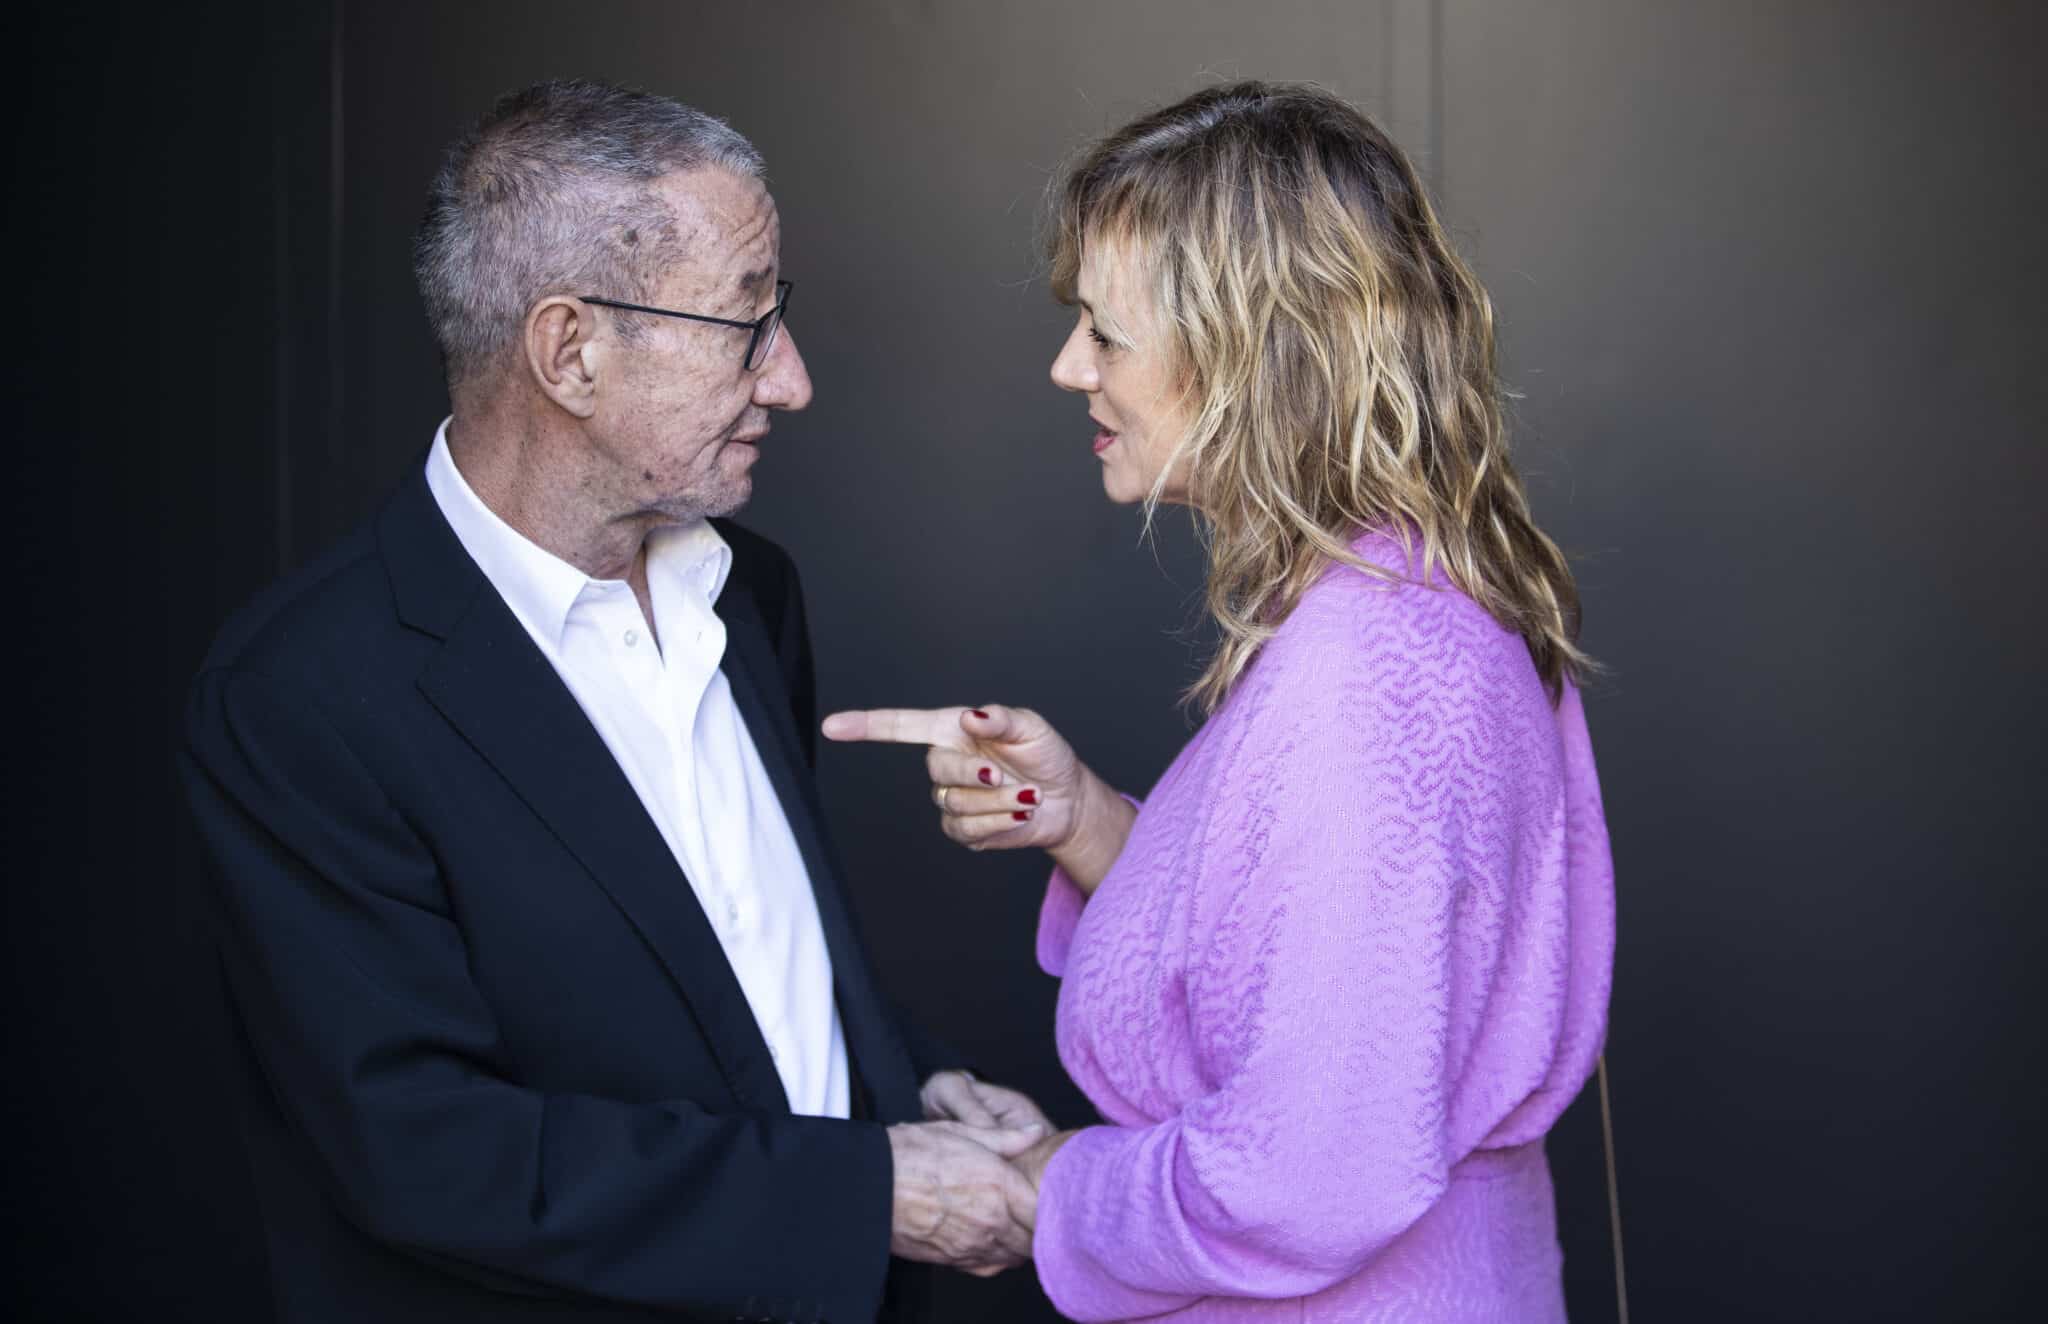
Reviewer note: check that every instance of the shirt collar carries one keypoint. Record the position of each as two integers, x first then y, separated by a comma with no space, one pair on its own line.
678,551
539,586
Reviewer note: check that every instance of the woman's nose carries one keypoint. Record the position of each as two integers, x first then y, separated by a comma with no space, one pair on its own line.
1074,368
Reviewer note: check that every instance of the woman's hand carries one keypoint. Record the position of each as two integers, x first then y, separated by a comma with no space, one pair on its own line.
960,1096
1003,778
1031,1165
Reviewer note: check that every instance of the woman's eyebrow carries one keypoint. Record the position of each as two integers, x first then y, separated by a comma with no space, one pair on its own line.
1106,322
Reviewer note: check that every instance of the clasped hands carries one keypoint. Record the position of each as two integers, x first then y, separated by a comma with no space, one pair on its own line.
967,1178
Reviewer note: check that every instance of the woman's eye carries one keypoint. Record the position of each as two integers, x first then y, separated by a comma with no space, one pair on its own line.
1100,340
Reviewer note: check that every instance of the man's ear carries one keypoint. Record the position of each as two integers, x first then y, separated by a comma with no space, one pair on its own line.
562,355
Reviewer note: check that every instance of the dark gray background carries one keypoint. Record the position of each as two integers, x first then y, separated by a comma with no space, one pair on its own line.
1768,278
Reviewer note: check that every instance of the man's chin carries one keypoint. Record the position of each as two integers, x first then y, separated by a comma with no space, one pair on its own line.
731,498
734,506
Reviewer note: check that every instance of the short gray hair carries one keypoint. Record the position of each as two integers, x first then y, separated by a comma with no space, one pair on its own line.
552,193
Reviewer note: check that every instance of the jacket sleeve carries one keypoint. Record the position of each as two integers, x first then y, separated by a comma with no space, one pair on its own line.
1325,1005
348,968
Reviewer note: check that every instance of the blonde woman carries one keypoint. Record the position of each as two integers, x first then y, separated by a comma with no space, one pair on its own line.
1333,981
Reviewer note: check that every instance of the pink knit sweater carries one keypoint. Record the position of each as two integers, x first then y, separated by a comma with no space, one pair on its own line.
1351,965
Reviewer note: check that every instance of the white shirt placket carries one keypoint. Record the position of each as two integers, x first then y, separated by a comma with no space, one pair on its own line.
665,710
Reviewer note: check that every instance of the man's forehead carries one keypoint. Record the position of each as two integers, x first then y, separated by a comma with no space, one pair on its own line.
728,226
715,195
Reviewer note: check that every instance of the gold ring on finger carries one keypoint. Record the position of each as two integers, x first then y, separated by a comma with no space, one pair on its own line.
943,792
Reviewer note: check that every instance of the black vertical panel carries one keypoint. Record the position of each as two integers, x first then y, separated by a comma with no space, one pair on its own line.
1770,280
144,476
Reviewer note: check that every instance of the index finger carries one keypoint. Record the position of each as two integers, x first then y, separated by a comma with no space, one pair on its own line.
899,726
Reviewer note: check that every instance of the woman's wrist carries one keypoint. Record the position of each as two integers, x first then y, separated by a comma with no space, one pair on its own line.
1102,823
1032,1162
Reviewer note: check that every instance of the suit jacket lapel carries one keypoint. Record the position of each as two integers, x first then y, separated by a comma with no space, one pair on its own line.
881,1059
498,690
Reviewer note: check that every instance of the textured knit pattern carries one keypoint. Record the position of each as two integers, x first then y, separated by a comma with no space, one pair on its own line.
1353,962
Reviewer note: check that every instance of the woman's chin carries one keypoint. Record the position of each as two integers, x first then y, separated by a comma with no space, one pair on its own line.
1120,490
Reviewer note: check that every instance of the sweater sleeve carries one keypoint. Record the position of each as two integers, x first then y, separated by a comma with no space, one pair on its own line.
1056,921
1355,830
1061,912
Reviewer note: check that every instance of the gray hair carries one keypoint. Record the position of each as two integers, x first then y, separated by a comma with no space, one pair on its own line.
552,193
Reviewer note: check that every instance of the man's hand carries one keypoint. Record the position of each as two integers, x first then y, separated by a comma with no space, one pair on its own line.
958,1200
956,1096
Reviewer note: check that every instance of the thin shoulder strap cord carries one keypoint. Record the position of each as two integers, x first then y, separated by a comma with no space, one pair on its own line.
1613,1191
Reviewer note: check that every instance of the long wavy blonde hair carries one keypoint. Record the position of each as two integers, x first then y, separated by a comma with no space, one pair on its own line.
1338,358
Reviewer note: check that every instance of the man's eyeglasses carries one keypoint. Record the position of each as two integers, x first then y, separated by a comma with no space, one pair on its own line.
765,327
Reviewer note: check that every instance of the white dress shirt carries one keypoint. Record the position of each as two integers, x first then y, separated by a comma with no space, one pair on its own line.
666,712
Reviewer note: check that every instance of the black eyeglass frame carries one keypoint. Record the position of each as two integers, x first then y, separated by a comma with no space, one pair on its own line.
770,321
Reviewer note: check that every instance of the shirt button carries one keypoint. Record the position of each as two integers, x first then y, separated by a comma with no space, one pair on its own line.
632,638
732,911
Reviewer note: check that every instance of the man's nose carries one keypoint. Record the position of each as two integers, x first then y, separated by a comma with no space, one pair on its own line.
784,382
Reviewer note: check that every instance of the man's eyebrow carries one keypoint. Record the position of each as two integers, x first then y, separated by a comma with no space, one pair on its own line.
754,280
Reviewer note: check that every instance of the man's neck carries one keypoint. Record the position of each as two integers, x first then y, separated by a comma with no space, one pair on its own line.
528,475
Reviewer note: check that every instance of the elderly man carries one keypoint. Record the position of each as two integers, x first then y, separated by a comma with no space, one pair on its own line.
546,988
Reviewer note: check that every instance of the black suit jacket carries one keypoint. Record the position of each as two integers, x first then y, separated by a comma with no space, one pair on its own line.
497,1066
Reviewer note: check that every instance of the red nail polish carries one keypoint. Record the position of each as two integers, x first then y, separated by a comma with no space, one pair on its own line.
1027,797
979,713
1021,815
988,777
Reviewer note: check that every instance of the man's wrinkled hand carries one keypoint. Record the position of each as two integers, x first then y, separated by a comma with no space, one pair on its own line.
958,1199
956,1096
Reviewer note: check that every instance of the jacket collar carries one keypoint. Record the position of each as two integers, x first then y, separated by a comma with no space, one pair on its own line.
495,687
493,684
